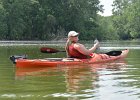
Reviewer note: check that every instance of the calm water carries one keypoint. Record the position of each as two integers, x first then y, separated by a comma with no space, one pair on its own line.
111,81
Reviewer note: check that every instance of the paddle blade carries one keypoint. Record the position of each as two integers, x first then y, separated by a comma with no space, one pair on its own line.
48,50
114,53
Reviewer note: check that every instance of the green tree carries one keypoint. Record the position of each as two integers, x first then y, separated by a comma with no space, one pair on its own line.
106,28
46,19
133,17
126,18
78,15
3,26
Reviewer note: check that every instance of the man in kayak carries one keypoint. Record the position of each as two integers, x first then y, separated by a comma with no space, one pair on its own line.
77,50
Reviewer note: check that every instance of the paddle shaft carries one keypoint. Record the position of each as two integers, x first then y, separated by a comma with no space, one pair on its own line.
52,50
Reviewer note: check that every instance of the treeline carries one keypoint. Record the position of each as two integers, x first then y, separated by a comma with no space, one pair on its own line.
53,19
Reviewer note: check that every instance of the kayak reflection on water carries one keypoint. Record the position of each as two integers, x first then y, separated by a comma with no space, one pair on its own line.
74,76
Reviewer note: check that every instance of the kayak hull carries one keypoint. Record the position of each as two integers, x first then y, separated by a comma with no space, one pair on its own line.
66,61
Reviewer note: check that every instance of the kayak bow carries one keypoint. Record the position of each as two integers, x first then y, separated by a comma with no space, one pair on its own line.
22,61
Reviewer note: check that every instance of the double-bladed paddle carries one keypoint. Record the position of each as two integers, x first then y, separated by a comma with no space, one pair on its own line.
52,50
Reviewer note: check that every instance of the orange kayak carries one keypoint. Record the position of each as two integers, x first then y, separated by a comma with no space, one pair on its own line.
53,62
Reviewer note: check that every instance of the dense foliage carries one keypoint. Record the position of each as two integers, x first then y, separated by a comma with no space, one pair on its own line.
126,18
53,19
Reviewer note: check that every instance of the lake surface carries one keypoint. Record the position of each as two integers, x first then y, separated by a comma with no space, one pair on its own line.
110,81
